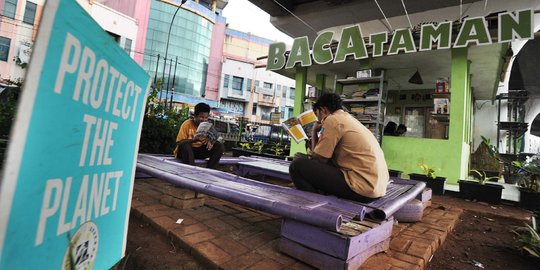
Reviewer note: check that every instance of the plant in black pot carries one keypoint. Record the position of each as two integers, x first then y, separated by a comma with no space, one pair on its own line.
479,189
529,182
436,183
243,150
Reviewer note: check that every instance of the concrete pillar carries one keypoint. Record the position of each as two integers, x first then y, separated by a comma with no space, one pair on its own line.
299,96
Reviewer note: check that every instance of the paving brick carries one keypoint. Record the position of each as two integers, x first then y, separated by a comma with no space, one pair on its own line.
183,230
242,262
271,226
152,211
271,251
420,250
300,266
204,212
245,232
152,192
185,204
408,258
405,265
166,200
199,237
218,225
400,244
397,228
416,239
257,218
179,193
165,224
266,264
176,214
211,252
136,203
234,221
259,239
230,245
379,261
224,208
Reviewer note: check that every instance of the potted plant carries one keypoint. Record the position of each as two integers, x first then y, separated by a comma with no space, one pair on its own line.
436,183
243,150
529,182
479,189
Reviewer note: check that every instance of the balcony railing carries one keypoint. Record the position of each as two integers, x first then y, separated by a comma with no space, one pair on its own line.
237,94
265,100
264,90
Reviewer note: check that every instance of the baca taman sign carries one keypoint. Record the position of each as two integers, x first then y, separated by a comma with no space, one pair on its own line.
473,31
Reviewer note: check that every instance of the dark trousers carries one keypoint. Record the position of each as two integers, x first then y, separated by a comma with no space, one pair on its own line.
314,176
188,153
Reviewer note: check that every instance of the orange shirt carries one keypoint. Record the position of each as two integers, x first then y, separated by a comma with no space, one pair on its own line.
356,152
187,131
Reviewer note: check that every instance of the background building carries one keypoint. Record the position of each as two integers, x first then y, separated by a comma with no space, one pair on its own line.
18,29
247,89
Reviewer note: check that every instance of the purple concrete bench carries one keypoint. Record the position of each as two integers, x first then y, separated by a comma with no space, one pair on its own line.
262,195
319,210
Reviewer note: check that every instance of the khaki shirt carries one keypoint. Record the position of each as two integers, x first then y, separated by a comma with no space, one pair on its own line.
354,149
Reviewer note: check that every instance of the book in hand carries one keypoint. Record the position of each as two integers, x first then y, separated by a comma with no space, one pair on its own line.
206,130
300,127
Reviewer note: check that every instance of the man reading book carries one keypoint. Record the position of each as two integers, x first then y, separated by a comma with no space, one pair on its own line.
346,159
191,145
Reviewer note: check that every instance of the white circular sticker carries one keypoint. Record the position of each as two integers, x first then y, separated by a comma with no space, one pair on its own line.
83,247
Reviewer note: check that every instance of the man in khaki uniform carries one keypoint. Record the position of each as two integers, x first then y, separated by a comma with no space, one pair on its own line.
346,159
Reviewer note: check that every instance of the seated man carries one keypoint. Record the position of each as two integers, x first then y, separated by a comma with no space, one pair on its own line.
346,159
188,149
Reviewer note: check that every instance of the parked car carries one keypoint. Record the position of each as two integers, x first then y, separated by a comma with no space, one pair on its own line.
228,131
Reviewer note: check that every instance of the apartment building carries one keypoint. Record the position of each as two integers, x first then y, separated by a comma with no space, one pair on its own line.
247,89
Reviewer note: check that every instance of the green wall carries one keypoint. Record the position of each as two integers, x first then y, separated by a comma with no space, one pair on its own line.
449,158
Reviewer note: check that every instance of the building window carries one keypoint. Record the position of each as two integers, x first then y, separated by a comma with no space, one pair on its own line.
284,92
249,81
10,7
127,45
237,83
254,110
226,81
265,113
291,95
4,48
291,113
29,13
257,83
267,85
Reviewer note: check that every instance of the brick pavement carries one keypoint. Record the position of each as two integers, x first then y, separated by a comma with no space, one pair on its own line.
223,235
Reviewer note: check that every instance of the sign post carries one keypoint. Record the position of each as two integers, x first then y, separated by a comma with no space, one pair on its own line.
66,187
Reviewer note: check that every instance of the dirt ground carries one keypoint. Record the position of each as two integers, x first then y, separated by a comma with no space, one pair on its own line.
481,240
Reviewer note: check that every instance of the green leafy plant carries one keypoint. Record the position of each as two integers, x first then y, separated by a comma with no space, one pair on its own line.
245,145
529,240
482,177
428,171
492,150
529,173
258,146
277,149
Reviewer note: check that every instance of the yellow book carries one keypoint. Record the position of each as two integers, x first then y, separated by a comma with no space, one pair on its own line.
300,127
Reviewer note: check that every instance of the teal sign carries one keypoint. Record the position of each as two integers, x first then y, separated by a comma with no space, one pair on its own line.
472,31
67,181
